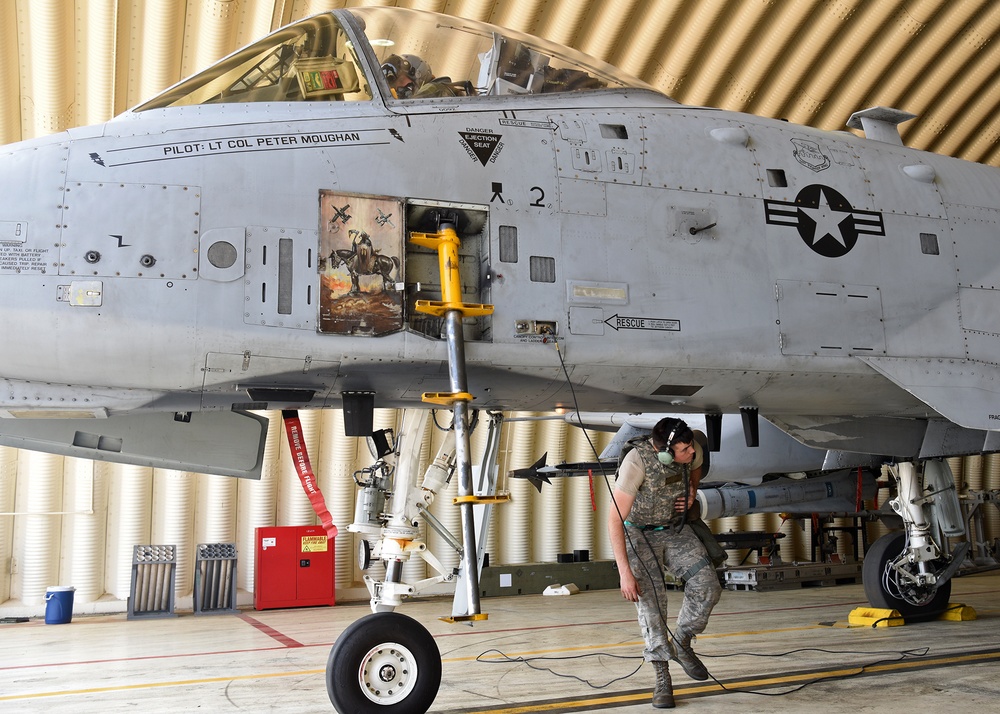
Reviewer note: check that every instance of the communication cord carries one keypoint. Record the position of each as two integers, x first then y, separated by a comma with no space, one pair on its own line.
530,661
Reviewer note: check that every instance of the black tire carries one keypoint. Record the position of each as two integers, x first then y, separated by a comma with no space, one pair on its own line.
885,550
384,662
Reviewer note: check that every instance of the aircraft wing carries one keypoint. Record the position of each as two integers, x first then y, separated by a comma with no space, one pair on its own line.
888,436
225,443
964,391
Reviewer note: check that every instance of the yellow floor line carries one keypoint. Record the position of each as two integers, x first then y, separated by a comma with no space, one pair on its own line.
611,699
633,643
210,680
154,685
738,686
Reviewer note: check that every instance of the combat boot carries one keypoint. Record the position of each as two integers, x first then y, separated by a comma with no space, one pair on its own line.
663,695
680,648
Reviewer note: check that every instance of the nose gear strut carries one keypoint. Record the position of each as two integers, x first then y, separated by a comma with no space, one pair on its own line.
453,310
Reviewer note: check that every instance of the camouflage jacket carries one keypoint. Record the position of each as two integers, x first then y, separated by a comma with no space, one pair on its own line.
654,503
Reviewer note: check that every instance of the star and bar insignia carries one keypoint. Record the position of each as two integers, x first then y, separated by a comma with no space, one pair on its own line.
825,220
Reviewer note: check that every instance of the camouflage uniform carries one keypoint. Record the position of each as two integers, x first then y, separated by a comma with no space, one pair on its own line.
679,553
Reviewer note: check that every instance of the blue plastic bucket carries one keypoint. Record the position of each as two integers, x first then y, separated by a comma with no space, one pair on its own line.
59,605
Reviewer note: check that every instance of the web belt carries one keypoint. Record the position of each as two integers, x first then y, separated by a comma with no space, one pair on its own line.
649,527
645,528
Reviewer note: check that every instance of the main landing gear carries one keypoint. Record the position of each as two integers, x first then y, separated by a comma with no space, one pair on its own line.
910,570
898,587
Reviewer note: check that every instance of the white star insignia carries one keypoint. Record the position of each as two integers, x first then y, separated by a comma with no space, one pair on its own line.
827,220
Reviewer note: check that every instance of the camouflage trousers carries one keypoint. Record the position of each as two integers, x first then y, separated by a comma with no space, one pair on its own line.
677,553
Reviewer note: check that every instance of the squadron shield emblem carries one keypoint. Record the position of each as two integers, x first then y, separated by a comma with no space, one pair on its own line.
809,154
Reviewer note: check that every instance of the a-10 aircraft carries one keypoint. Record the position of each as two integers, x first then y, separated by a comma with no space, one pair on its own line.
384,208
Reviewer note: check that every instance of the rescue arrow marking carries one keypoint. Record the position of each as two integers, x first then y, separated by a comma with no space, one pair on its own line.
620,322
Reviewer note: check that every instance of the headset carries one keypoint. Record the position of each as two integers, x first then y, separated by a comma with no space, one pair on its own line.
666,456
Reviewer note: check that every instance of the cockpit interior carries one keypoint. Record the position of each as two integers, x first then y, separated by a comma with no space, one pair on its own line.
356,54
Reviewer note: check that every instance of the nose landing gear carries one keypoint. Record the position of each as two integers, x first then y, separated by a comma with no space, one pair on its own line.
387,662
384,662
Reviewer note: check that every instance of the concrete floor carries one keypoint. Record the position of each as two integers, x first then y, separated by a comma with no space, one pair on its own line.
274,661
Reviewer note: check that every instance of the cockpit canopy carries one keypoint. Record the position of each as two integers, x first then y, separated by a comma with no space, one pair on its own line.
402,55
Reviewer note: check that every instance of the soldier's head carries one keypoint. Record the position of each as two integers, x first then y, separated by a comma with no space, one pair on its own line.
405,74
673,441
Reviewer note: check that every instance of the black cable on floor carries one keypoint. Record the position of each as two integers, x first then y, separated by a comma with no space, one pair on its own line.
504,659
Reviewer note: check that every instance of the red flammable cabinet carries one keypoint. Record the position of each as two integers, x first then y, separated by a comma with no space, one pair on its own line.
295,567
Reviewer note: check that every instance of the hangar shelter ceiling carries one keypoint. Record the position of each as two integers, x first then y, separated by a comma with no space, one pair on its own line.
68,63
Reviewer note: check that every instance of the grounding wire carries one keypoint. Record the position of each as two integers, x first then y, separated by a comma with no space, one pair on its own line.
529,661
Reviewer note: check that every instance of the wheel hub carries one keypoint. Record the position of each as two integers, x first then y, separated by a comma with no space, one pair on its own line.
388,673
912,589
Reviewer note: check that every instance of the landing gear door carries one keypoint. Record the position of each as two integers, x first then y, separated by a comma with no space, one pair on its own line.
360,265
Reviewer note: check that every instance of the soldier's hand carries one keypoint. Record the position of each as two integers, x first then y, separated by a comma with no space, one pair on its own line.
630,586
682,503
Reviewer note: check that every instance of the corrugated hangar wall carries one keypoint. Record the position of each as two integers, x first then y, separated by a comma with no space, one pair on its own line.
72,522
67,521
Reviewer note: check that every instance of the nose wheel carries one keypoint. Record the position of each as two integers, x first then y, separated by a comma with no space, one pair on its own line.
385,662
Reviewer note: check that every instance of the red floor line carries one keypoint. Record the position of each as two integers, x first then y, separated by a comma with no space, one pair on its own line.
286,642
270,631
141,658
289,642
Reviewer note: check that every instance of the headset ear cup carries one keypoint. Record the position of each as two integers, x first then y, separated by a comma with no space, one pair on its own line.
666,457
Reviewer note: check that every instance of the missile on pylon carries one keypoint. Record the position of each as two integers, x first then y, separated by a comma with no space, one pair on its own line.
839,492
